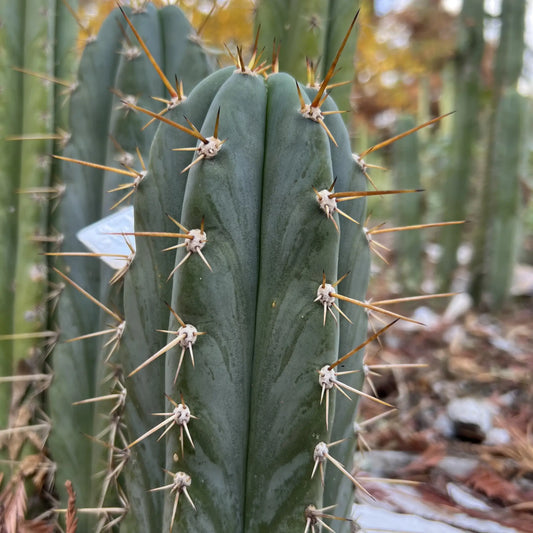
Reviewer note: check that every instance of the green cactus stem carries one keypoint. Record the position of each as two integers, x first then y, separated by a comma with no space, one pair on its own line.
75,364
300,29
456,187
507,67
408,208
259,280
510,54
504,182
29,308
11,54
35,36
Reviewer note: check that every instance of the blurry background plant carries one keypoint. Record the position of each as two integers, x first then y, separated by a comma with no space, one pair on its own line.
430,57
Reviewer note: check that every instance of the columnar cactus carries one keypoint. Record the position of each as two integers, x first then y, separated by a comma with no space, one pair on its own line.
260,314
493,260
11,52
467,83
265,164
36,48
408,209
504,204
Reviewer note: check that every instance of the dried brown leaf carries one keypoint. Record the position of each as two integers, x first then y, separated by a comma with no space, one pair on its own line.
36,466
36,526
432,456
492,485
19,415
71,519
13,501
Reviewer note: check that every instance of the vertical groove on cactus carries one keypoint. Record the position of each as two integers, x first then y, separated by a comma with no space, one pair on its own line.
226,191
291,344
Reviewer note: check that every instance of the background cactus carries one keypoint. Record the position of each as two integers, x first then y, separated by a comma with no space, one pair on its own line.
408,207
37,47
496,235
103,131
502,205
310,32
467,82
11,52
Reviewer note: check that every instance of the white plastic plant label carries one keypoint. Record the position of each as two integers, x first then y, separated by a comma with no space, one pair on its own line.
98,239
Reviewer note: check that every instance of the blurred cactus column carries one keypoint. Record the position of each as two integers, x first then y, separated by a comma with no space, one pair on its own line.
499,219
298,26
504,212
37,41
339,12
455,194
11,53
26,107
408,207
313,30
29,309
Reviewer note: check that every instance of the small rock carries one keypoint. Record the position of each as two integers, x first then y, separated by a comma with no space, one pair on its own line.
464,498
471,418
384,463
423,314
497,437
522,284
464,254
457,307
444,426
456,466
